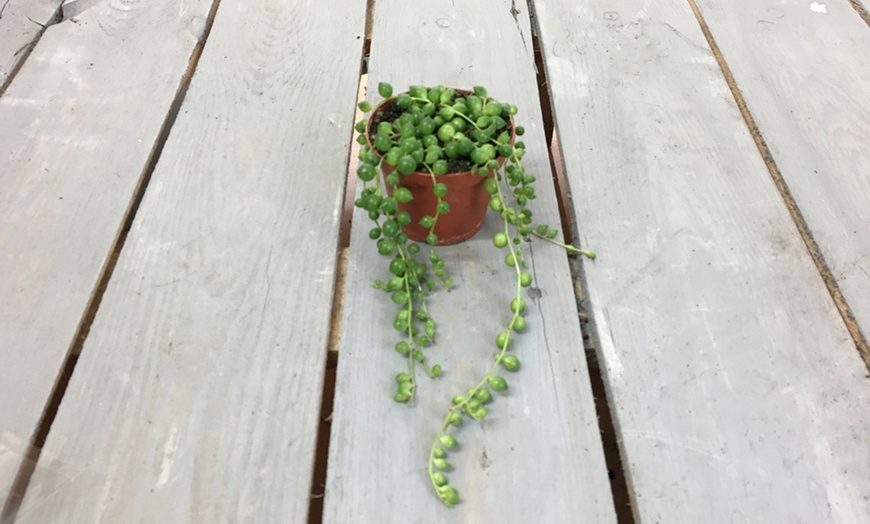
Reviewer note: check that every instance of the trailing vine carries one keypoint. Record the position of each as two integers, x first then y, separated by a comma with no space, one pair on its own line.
439,131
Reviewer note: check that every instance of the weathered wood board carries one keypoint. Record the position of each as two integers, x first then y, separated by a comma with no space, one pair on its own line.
538,455
71,8
21,22
804,70
77,127
197,394
737,392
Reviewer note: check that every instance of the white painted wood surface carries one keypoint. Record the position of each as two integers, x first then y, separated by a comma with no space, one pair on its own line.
77,127
738,395
538,456
197,395
71,8
804,70
21,22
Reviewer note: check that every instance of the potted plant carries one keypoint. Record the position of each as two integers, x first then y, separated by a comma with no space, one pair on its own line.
432,160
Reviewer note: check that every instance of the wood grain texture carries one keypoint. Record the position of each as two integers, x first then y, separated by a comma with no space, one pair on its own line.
72,8
21,22
738,395
197,394
538,456
76,129
804,71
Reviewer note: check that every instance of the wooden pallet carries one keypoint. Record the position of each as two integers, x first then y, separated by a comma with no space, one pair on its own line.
168,269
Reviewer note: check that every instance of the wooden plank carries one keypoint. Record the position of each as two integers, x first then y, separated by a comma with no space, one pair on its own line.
815,117
197,394
737,393
71,8
77,127
538,456
21,23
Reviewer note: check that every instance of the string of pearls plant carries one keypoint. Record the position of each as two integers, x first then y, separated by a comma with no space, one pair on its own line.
439,131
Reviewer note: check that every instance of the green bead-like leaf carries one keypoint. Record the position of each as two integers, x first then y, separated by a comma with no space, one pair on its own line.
450,496
518,304
400,298
403,194
496,204
395,284
397,267
483,396
406,165
383,143
497,383
448,441
441,464
404,101
385,89
490,185
439,479
393,155
511,363
386,246
440,167
525,279
418,91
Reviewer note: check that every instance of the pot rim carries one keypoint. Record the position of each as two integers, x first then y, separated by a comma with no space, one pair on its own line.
464,92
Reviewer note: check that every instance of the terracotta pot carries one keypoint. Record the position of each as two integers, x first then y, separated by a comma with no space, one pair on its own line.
468,201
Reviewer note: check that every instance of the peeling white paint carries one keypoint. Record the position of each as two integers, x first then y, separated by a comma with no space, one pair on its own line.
563,67
168,457
197,25
816,7
612,358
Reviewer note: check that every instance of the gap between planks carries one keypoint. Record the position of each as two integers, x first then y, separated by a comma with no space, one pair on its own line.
815,252
31,458
862,11
27,48
321,451
619,488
